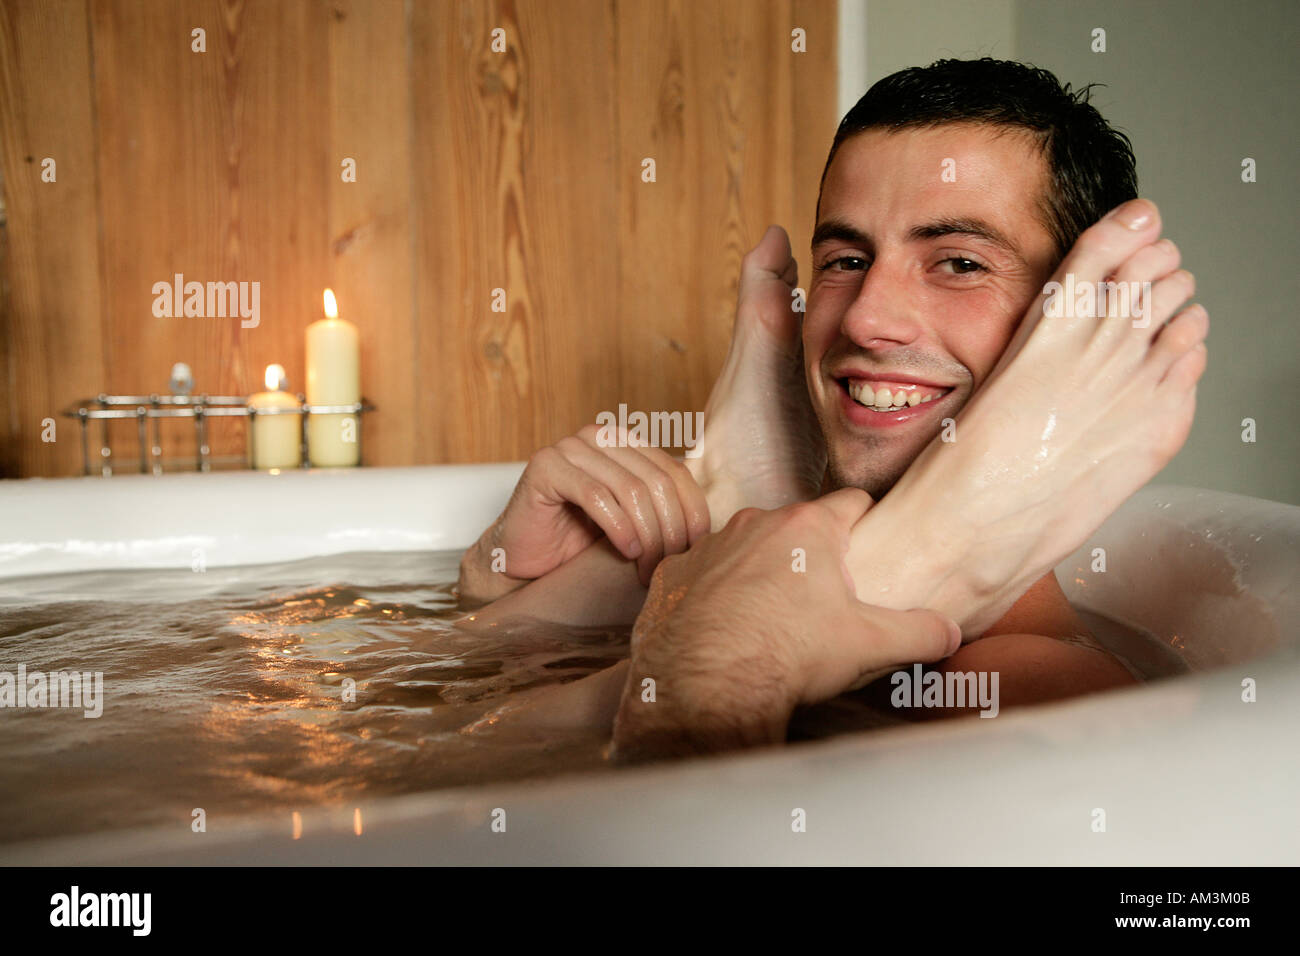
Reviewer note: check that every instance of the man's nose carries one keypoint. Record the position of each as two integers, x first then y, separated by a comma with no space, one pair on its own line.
882,314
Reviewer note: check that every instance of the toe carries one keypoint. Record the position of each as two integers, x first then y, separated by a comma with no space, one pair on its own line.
1186,371
1184,336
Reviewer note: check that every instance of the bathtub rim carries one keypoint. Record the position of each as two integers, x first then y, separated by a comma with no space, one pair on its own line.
584,817
1195,753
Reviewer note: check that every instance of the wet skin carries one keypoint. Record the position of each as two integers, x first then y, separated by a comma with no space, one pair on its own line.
920,282
890,299
926,285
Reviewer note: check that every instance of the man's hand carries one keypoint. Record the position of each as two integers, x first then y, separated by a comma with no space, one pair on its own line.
754,621
572,494
761,448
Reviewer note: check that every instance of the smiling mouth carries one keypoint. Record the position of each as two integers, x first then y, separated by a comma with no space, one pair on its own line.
882,395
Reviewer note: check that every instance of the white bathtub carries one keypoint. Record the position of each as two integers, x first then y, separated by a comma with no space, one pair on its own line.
1185,771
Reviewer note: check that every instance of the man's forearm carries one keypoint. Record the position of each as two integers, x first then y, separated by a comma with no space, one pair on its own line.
477,583
895,560
598,586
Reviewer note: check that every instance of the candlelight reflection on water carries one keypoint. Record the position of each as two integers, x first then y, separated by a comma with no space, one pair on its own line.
231,690
316,683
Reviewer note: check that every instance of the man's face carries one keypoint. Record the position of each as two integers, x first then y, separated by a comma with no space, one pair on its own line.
912,292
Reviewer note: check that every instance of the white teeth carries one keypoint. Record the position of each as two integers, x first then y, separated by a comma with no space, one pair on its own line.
885,400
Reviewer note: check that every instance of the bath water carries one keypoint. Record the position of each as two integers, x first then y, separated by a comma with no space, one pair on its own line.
282,687
228,690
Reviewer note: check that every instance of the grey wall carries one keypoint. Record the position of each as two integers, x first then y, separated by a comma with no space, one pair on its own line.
1197,87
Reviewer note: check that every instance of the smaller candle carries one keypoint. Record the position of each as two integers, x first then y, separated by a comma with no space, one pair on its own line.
275,441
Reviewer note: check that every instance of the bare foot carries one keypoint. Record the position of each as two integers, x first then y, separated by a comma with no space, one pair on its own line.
762,446
1080,413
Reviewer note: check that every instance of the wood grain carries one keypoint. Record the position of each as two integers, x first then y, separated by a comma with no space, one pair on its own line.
218,174
732,117
371,220
515,190
54,326
476,171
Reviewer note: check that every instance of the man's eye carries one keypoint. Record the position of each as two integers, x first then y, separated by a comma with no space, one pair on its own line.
965,266
850,264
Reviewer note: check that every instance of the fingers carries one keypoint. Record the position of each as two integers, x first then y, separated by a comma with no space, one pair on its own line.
634,496
824,522
910,636
667,478
611,496
875,641
560,480
673,535
848,505
679,505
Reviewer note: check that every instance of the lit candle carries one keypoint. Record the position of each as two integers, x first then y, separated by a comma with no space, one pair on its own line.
275,441
333,378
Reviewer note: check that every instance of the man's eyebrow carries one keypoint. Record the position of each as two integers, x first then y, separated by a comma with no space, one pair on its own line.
829,230
965,226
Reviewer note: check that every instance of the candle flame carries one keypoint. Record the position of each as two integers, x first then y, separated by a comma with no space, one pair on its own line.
331,306
275,377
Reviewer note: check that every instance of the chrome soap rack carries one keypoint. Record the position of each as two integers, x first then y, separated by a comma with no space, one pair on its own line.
154,408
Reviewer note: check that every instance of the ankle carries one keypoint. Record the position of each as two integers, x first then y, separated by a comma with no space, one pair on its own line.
721,492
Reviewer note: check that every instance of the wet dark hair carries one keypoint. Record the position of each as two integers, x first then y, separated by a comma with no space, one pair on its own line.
1090,164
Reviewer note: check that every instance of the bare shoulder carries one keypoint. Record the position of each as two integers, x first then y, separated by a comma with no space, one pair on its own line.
1035,668
1042,651
1043,609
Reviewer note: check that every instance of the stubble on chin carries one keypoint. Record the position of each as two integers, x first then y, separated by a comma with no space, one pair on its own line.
874,484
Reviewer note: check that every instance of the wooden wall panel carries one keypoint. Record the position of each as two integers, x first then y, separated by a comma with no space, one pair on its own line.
54,308
815,118
515,190
732,116
476,171
214,166
371,221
